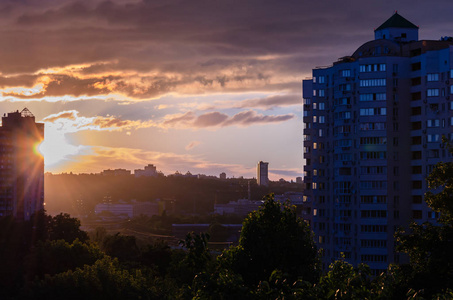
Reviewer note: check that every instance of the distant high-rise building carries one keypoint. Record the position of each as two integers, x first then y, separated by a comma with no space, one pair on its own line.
373,123
262,173
222,176
21,165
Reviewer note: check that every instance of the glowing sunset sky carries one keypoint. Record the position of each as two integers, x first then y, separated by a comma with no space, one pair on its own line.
206,86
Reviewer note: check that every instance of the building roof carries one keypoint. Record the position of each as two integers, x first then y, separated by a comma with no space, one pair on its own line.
397,21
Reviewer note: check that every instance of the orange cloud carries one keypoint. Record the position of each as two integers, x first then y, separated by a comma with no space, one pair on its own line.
70,121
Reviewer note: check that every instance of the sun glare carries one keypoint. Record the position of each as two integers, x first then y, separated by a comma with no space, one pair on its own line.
56,149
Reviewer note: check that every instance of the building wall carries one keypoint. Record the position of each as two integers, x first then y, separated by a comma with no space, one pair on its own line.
262,176
372,128
21,165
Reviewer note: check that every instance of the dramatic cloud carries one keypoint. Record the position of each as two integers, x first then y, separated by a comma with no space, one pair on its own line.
70,121
107,68
217,119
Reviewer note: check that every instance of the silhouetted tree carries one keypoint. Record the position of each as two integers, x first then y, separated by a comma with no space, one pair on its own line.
274,238
123,247
430,246
64,227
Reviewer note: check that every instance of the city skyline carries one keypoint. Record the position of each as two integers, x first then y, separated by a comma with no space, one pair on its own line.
208,87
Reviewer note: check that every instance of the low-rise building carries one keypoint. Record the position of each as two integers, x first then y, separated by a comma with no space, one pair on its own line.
242,207
130,209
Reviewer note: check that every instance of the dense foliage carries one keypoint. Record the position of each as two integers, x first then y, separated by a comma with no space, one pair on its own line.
51,258
430,271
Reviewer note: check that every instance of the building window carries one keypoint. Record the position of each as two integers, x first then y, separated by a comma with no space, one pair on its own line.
432,77
377,111
373,214
376,140
432,92
381,199
321,93
373,243
373,228
373,82
321,106
372,68
373,258
433,138
373,126
346,73
373,184
344,87
417,214
373,97
373,155
321,119
433,123
371,170
321,79
344,115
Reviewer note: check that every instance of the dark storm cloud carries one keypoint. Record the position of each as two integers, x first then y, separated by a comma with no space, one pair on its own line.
215,45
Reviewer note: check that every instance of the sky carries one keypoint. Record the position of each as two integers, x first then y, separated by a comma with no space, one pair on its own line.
202,86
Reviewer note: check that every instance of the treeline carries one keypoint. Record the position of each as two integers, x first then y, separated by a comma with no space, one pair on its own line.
51,258
188,195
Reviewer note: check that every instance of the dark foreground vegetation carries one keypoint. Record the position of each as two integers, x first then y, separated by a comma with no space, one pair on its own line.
51,258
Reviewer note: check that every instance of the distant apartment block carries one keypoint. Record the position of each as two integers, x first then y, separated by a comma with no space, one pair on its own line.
21,165
373,123
148,171
262,175
222,176
116,172
242,207
295,198
130,209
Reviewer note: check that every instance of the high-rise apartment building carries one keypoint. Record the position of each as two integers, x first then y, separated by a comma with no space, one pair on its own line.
262,175
373,123
21,165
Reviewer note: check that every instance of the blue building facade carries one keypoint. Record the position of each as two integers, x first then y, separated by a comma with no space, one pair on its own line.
373,123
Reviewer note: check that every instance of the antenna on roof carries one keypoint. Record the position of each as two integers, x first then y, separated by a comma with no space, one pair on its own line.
26,113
